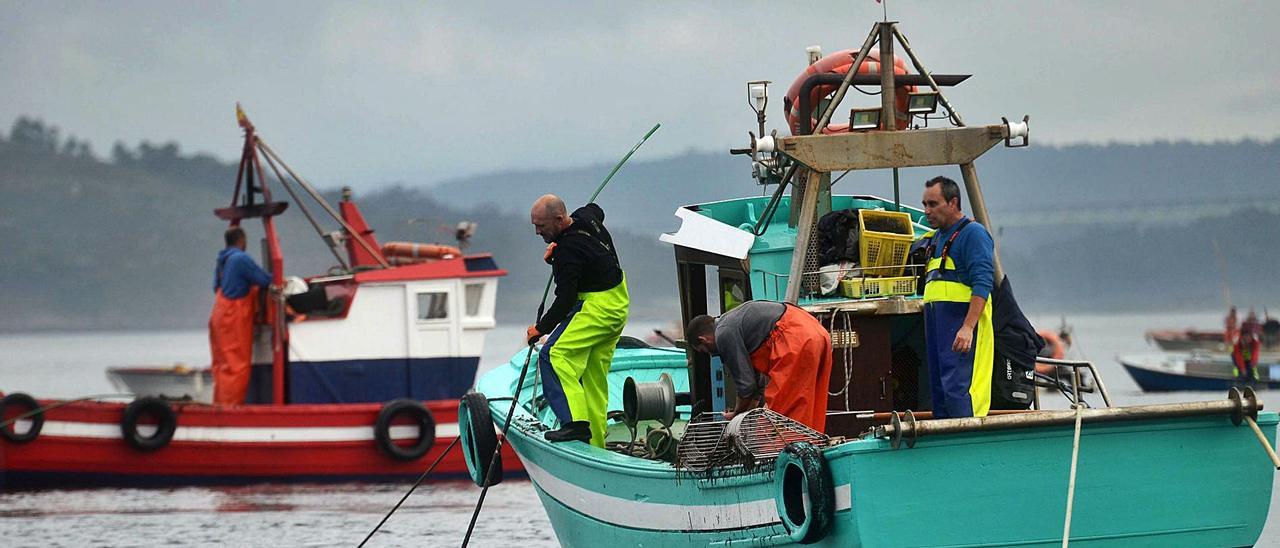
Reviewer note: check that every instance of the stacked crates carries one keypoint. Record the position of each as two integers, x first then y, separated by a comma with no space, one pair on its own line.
884,241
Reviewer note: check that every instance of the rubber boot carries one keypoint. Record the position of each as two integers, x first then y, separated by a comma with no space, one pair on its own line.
574,431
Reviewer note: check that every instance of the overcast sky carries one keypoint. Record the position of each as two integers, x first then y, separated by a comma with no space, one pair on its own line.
421,91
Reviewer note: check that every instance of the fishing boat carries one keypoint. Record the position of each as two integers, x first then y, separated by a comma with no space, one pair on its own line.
355,374
1202,371
1187,340
883,472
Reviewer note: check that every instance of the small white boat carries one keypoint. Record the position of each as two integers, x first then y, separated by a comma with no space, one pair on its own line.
173,383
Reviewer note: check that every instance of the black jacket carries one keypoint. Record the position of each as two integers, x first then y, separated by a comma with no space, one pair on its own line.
584,259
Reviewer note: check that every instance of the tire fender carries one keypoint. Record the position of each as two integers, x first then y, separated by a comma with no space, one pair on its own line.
156,408
479,438
802,472
25,404
420,416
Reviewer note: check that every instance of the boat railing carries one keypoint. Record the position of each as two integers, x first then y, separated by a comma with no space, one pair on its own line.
1076,388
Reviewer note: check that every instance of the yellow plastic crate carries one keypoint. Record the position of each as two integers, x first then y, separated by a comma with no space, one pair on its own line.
862,288
887,246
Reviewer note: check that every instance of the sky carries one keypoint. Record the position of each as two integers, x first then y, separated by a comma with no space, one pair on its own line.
370,94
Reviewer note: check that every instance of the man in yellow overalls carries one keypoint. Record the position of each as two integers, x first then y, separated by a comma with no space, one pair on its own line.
585,320
957,311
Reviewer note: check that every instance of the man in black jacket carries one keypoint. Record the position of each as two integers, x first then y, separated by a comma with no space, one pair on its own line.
585,320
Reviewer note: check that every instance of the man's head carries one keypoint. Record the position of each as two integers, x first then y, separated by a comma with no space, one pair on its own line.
234,237
701,334
941,202
549,217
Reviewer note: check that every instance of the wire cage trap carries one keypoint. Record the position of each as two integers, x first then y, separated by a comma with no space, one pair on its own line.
753,438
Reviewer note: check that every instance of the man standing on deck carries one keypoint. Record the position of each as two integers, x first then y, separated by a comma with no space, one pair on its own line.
236,281
957,311
775,339
585,320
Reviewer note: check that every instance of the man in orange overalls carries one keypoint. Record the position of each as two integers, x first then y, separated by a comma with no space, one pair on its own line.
236,281
775,339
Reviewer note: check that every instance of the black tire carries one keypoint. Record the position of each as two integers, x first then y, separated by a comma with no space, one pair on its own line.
801,466
27,404
156,408
420,415
479,439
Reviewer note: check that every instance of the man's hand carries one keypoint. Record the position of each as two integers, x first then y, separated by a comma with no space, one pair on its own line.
532,334
729,414
551,249
964,340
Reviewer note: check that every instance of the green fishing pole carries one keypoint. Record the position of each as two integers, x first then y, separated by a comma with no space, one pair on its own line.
497,450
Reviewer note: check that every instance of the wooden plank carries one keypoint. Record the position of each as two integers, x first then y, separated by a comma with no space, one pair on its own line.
888,149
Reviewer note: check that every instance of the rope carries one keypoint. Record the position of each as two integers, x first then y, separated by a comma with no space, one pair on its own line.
1071,484
848,357
52,406
410,491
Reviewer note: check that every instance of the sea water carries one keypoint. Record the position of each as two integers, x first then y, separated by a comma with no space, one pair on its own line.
73,364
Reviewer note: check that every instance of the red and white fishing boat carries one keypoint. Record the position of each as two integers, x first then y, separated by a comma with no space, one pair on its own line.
356,376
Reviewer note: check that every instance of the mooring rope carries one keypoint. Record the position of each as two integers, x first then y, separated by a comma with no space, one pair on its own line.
1071,483
51,406
411,489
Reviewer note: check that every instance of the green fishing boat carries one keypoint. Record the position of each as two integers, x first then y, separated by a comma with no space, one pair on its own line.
883,472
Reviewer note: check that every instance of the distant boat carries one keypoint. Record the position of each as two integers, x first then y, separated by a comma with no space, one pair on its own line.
1163,372
1187,340
355,377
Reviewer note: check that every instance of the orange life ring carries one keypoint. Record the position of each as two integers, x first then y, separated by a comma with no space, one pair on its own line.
418,252
839,63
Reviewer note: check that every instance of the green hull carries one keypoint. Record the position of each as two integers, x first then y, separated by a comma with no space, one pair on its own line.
1197,481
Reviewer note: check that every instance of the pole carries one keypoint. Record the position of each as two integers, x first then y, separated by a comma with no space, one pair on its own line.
888,114
974,190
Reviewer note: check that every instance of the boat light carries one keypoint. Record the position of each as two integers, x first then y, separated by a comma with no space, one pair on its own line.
758,95
922,103
864,118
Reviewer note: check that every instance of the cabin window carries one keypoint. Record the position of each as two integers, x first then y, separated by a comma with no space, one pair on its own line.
473,295
433,305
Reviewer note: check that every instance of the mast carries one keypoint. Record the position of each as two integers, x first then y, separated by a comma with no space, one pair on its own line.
888,147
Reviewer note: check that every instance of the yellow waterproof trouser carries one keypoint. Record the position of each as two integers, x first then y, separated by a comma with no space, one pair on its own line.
575,360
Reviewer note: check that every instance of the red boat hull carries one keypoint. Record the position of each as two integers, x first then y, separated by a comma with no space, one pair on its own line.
81,445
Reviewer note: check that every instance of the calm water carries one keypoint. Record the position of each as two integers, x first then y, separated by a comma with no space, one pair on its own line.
66,365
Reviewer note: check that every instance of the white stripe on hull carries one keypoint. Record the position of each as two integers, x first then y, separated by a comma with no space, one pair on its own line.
665,517
252,434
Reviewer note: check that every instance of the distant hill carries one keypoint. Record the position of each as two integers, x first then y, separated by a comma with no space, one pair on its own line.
128,242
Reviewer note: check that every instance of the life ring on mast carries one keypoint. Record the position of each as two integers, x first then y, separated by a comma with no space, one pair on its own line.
801,471
419,415
155,408
839,63
409,252
25,404
479,439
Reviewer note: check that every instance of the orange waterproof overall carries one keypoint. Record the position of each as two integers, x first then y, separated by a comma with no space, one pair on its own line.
231,345
797,359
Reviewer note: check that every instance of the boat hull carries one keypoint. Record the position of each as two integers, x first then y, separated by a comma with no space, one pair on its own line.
1192,372
1189,481
81,445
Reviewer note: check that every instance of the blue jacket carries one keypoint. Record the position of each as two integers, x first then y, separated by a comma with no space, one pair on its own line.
974,255
235,272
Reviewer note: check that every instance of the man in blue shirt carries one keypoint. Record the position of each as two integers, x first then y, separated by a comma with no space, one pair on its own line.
957,311
236,280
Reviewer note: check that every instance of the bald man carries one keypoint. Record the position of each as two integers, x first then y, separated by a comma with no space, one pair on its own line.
585,320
